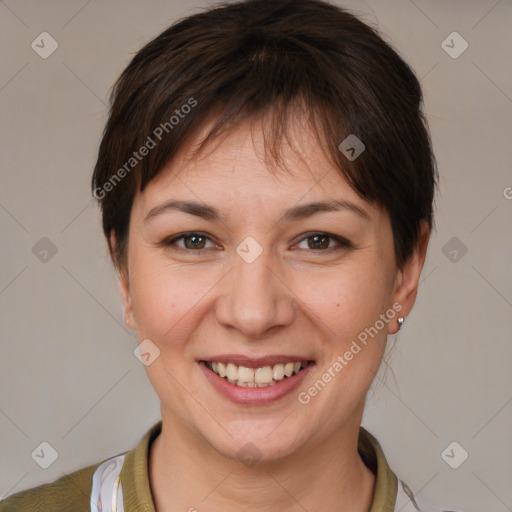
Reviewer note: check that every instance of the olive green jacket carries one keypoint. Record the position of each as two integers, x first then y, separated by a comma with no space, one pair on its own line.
123,483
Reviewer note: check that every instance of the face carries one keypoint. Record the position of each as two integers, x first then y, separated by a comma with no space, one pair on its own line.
252,279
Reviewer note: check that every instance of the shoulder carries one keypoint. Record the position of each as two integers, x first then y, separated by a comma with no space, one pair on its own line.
70,493
391,494
84,490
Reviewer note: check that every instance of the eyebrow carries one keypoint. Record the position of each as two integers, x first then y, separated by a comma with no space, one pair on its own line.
295,213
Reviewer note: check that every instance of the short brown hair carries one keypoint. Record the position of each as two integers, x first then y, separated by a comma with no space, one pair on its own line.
251,58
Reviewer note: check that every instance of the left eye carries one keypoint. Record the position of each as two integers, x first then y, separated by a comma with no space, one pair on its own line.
322,241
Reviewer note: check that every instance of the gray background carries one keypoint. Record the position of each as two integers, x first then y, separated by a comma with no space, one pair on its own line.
68,375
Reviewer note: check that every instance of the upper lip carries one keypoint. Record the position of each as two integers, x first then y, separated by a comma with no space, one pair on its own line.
256,362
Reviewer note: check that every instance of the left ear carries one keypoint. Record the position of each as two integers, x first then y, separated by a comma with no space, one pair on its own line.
407,279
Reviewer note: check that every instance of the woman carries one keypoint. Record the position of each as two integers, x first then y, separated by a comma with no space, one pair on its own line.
266,182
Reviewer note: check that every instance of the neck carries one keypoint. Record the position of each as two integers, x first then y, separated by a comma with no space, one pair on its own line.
188,475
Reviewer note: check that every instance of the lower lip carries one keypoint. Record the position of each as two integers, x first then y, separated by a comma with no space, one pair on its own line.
254,396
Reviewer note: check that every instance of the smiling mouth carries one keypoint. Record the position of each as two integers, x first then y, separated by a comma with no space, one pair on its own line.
262,377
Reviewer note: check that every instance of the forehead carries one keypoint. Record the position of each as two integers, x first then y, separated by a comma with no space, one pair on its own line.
230,183
239,162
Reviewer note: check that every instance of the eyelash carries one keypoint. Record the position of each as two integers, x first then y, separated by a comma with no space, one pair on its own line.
342,242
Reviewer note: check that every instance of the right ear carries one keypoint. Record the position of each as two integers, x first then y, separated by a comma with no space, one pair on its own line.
124,285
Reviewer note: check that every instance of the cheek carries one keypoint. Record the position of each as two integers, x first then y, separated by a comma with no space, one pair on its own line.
348,306
164,299
347,300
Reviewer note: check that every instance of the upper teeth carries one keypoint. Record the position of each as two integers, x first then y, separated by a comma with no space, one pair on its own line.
255,377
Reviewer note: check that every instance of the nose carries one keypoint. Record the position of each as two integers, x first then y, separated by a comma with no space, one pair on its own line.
255,298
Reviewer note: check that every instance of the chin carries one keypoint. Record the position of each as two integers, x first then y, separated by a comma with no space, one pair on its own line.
256,444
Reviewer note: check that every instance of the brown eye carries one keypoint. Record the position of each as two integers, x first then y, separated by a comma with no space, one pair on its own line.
194,242
319,242
191,242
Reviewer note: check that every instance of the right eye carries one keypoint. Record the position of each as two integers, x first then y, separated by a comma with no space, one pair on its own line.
192,242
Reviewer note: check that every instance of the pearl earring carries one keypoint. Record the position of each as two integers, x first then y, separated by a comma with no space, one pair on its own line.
400,321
